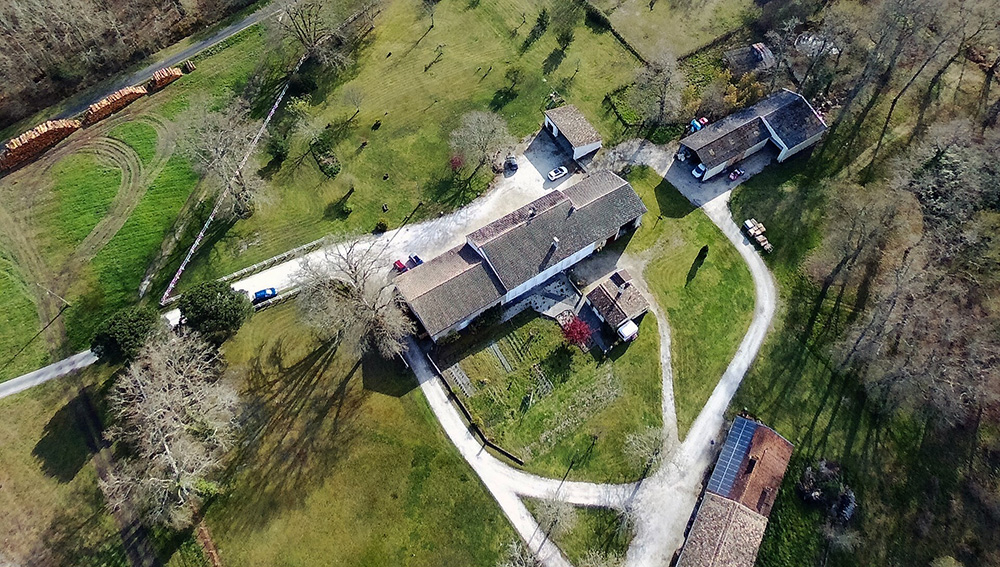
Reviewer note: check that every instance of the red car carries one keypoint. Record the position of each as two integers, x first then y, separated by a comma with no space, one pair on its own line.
400,266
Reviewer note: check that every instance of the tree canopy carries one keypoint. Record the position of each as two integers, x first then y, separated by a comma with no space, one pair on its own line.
120,337
215,310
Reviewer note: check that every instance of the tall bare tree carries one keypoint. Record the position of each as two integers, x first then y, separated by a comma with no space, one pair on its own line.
348,296
221,140
481,137
657,91
176,415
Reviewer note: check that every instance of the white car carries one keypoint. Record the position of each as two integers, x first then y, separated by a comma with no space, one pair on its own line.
699,171
558,172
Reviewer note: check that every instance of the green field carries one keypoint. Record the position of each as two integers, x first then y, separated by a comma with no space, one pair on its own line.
709,301
18,322
51,509
418,107
84,189
139,136
111,281
677,28
591,397
347,464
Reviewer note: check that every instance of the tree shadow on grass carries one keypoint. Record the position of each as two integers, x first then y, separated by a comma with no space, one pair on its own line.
670,201
553,60
62,450
501,98
78,535
699,261
387,377
299,424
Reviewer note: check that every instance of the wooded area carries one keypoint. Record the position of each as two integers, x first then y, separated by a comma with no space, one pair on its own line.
54,49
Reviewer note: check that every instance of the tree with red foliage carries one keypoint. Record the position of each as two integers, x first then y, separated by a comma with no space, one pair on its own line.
577,332
456,162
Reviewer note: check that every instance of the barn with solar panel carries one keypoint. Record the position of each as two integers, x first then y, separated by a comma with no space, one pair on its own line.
730,521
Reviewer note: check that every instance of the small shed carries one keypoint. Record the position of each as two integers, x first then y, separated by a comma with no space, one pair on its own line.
568,125
618,303
749,59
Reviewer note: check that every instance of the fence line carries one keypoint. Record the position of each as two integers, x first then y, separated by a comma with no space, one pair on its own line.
468,417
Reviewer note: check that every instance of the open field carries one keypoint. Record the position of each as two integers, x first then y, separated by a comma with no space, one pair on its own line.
419,102
914,486
345,463
593,404
652,26
708,297
51,509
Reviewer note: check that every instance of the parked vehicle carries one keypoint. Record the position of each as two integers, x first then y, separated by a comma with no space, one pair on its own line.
263,295
558,172
400,266
510,163
699,171
683,153
415,260
735,174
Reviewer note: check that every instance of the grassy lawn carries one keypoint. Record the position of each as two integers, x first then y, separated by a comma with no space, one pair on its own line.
345,464
708,299
18,322
111,281
678,27
419,104
140,137
84,188
590,397
51,509
594,530
910,479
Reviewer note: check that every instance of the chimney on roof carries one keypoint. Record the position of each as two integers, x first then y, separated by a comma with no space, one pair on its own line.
555,243
531,212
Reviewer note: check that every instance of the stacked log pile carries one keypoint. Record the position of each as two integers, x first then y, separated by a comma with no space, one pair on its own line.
112,103
163,77
35,141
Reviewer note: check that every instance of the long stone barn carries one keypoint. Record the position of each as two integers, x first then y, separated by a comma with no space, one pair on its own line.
509,257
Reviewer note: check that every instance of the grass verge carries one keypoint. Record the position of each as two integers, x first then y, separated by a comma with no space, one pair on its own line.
593,531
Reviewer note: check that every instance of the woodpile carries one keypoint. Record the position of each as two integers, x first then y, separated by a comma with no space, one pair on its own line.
163,77
111,104
188,66
35,141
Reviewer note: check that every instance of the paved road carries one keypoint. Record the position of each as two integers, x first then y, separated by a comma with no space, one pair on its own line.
144,74
52,371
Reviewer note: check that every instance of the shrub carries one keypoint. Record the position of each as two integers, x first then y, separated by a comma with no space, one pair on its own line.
596,20
120,336
577,332
277,148
456,162
381,226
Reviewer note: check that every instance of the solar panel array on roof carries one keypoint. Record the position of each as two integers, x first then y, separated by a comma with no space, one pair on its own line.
736,448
